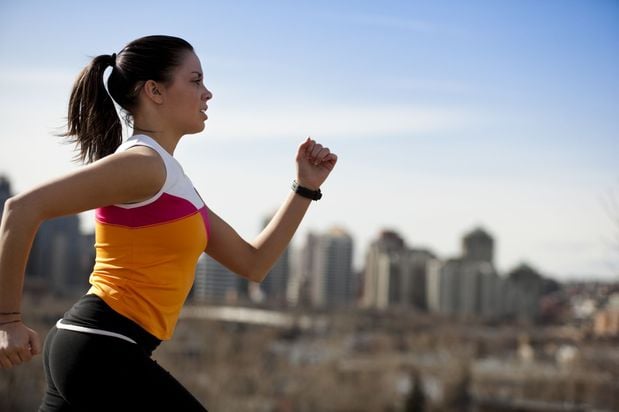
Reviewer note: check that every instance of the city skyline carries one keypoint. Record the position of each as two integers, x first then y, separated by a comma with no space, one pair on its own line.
502,116
476,244
321,274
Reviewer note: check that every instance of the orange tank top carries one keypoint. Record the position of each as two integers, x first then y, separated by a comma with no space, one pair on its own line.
146,252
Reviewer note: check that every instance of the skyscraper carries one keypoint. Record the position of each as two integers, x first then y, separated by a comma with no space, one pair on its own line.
305,269
295,278
416,278
464,287
433,285
395,275
214,282
331,277
275,285
449,286
381,273
523,289
478,246
56,256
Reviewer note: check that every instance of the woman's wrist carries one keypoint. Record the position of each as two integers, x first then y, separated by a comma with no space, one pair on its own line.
7,316
9,322
309,186
306,192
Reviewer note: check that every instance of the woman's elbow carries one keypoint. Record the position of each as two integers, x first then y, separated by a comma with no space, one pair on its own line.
253,267
20,208
256,275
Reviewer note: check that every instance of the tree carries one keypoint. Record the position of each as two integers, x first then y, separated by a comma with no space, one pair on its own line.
416,400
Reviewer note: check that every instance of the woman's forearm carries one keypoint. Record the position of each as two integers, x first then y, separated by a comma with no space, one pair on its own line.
276,236
253,260
17,232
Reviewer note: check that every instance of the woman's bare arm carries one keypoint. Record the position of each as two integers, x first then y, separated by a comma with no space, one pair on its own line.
133,175
253,260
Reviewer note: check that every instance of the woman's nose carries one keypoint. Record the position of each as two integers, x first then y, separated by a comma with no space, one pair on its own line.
208,95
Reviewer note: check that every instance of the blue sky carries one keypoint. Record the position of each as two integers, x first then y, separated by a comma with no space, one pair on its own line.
446,114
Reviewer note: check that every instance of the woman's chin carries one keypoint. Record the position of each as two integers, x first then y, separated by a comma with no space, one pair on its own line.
198,128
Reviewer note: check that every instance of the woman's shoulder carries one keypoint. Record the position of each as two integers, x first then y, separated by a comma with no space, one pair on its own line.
140,162
139,169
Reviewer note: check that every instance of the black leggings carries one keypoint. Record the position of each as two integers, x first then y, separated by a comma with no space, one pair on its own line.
88,372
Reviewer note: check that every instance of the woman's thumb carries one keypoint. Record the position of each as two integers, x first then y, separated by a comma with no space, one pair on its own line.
35,342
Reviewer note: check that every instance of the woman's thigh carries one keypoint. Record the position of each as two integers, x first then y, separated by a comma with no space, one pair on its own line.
95,372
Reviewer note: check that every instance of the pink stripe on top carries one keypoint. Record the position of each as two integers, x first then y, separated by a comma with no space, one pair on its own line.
164,209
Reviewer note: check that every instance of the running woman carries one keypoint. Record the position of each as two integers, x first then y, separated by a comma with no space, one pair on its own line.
151,227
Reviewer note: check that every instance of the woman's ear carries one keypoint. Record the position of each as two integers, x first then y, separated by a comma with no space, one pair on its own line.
153,91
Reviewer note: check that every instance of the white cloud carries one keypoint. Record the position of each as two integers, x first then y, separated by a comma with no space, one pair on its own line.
337,120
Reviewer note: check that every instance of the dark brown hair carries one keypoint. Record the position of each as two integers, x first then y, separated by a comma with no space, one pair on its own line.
92,120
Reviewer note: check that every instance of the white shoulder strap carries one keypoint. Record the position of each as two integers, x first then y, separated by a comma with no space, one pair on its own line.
171,165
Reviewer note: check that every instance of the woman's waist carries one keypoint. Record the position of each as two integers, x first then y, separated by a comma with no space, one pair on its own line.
92,313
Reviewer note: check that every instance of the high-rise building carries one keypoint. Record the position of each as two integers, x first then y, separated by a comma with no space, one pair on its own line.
433,285
295,278
478,287
468,285
465,287
275,285
395,275
449,286
522,291
306,260
416,278
381,273
214,282
478,245
56,257
331,277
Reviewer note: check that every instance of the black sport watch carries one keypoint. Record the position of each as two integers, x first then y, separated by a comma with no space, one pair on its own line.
305,192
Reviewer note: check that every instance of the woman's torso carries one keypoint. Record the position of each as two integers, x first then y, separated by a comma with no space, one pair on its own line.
146,252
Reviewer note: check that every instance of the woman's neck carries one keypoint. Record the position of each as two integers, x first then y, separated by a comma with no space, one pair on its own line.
165,140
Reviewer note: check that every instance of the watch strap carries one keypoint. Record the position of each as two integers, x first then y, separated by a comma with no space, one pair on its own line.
305,192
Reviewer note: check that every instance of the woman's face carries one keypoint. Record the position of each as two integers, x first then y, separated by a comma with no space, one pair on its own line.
186,96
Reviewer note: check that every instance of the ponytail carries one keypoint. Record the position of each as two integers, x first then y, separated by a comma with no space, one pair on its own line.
92,120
